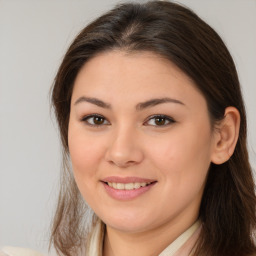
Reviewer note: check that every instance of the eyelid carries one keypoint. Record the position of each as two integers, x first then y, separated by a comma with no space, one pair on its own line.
168,118
85,118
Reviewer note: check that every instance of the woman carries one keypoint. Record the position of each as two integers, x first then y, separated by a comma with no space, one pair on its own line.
153,128
151,116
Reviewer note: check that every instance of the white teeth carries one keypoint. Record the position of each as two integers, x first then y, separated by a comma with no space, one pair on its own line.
120,185
136,185
128,186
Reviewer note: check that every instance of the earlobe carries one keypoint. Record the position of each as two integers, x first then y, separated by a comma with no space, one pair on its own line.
225,136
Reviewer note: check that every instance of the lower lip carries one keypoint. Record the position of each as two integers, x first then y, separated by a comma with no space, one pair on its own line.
121,194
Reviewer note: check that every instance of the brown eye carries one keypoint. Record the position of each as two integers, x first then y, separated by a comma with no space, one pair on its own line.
160,120
95,120
98,120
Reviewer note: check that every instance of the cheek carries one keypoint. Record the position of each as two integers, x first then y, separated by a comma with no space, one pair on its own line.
183,156
85,153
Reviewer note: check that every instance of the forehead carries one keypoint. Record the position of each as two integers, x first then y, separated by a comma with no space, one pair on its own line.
142,74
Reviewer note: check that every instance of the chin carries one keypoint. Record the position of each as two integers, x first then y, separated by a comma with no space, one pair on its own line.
128,227
127,223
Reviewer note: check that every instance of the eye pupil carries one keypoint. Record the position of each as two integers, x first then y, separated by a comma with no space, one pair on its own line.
160,121
98,120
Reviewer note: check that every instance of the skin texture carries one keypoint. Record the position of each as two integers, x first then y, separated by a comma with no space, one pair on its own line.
128,142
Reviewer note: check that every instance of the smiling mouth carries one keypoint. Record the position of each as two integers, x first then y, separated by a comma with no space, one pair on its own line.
128,186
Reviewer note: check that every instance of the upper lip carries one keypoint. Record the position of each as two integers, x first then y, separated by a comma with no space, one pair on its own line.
118,179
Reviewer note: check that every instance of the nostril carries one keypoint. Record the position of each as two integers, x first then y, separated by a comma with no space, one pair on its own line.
122,164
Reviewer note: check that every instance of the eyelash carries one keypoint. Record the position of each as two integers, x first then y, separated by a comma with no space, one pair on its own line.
86,118
164,117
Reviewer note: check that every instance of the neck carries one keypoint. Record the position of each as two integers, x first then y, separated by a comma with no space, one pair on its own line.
119,243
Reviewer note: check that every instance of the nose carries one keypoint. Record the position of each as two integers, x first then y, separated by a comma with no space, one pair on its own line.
124,148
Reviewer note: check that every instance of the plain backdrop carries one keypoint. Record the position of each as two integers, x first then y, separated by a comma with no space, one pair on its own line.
34,35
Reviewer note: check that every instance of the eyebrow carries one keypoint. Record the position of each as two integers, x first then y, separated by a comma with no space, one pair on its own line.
139,106
94,101
154,102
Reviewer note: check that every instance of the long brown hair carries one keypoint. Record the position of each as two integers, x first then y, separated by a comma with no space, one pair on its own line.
227,210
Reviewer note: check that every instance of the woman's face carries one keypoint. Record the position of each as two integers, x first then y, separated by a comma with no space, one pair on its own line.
140,141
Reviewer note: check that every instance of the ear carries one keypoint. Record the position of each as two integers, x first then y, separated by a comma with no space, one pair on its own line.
226,136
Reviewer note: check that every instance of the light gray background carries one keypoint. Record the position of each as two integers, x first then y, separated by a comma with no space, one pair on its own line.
34,35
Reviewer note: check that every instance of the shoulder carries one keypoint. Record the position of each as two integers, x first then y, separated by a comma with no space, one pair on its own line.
17,251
